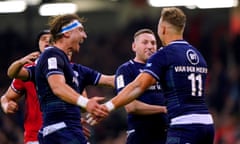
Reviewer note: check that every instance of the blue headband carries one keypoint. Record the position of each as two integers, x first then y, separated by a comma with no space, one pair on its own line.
74,24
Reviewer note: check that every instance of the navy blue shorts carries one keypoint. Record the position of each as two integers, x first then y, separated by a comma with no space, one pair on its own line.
190,134
62,136
147,137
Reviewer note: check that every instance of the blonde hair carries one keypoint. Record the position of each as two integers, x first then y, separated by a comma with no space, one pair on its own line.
175,17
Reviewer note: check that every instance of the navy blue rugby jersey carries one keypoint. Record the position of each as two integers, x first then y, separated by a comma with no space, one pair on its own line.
86,76
125,74
182,71
55,61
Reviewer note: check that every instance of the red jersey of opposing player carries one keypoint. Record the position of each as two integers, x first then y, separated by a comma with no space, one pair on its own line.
32,114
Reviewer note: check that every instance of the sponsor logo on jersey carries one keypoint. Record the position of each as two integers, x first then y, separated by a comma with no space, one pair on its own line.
192,57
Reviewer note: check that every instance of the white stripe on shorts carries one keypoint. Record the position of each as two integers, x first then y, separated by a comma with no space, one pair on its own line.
192,119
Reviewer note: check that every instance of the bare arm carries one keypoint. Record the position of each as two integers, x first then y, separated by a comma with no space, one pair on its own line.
107,80
8,101
133,90
126,95
66,93
16,69
61,89
84,93
140,108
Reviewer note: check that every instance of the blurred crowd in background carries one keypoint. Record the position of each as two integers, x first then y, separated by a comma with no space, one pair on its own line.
106,51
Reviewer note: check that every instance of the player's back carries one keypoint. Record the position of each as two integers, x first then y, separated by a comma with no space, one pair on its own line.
182,71
185,79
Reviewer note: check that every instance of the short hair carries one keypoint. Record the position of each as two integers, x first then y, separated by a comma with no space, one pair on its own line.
39,35
141,31
174,16
57,22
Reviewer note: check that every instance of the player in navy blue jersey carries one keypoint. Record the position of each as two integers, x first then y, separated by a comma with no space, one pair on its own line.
58,86
147,120
181,71
86,76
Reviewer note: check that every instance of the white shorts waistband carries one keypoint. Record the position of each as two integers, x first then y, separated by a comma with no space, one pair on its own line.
192,119
53,127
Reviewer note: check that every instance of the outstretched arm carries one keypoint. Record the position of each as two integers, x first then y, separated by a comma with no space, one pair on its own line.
131,91
125,96
107,80
141,108
66,93
16,69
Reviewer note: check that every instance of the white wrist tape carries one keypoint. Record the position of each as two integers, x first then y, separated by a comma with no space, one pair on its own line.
82,101
109,106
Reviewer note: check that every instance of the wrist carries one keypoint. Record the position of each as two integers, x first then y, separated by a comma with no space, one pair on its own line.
82,101
110,106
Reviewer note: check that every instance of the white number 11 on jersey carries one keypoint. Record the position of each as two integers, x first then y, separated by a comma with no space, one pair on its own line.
196,82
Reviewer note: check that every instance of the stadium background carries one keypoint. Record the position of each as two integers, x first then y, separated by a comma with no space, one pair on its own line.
110,28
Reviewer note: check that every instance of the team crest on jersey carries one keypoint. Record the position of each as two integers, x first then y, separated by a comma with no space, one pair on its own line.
192,57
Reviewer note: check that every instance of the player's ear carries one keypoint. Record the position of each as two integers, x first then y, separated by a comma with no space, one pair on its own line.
163,30
67,34
133,47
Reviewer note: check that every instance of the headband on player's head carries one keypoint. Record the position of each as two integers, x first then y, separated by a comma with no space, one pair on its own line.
74,24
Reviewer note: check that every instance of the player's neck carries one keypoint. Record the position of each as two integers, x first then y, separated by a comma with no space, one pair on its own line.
172,38
63,46
139,60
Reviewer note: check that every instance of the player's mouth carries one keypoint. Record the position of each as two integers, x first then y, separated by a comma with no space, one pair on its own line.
149,52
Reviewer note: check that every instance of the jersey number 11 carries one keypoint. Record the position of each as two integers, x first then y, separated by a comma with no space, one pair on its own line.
196,82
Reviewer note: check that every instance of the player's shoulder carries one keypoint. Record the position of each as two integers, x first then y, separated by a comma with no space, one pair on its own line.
80,67
52,50
126,65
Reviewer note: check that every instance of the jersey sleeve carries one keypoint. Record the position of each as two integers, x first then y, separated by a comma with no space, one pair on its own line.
18,86
156,64
86,74
52,63
122,77
31,72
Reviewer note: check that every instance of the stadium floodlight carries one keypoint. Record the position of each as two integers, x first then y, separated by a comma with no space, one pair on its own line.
202,4
169,3
207,4
13,6
52,9
33,2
